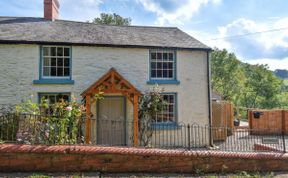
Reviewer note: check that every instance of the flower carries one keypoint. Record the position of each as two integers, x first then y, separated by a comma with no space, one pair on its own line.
68,108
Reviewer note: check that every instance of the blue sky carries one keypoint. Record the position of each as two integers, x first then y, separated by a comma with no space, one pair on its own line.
205,20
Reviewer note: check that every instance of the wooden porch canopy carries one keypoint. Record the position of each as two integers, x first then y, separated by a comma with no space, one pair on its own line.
111,82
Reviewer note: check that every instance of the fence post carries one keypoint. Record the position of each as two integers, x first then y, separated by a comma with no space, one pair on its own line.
283,139
189,146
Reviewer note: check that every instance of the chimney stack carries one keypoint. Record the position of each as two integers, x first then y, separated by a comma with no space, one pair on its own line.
51,9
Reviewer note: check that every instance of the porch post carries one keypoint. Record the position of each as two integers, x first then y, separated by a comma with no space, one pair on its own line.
88,120
135,113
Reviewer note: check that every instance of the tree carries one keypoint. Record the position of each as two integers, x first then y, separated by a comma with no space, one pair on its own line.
112,19
246,85
261,87
227,74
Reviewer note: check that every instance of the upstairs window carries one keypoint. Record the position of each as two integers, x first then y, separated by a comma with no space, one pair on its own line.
56,62
162,65
168,113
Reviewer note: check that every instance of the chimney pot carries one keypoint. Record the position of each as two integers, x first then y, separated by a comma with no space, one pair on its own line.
51,9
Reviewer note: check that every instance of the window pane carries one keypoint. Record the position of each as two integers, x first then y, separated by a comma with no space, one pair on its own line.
171,99
159,56
59,62
52,99
165,65
153,56
165,73
46,61
165,56
53,71
153,65
53,61
59,51
67,52
60,97
168,113
46,71
159,65
53,51
66,62
66,72
171,118
65,97
171,108
159,73
46,51
60,71
170,73
153,73
170,56
164,118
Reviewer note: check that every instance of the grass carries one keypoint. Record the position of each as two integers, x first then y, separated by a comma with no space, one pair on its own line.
45,176
39,176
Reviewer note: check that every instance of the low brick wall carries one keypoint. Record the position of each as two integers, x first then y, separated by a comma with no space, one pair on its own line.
113,159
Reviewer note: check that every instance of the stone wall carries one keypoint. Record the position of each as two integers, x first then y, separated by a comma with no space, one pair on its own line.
123,160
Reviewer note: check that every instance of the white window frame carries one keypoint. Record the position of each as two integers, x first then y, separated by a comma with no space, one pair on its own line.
50,57
174,104
162,61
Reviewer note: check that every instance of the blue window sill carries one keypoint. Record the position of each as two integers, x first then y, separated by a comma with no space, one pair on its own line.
54,81
165,126
173,82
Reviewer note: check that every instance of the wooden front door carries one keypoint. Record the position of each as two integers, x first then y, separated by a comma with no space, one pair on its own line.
111,121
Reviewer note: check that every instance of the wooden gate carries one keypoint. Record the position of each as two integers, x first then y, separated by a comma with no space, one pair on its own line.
111,121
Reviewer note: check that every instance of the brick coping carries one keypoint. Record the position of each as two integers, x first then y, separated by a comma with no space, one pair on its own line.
95,149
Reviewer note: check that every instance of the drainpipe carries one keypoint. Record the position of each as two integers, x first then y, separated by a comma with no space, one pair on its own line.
209,97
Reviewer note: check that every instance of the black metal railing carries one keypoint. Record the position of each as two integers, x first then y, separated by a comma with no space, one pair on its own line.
39,129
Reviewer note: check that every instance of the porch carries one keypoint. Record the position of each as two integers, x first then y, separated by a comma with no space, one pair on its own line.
107,118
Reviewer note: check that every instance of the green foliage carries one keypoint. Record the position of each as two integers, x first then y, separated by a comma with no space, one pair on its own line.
28,108
227,74
38,176
254,175
261,87
61,125
149,104
112,19
247,86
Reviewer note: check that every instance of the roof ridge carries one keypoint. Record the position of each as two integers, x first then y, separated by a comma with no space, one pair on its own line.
63,20
140,26
20,17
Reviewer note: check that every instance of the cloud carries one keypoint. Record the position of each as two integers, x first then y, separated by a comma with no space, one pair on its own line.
80,10
272,63
174,11
268,45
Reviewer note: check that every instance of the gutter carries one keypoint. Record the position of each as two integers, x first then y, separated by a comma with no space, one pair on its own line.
209,98
101,45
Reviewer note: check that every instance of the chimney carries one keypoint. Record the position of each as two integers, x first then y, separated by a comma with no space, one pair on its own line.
51,9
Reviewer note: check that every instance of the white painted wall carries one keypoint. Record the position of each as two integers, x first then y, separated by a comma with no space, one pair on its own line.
20,66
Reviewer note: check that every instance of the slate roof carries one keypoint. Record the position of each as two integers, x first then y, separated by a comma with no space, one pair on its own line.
41,31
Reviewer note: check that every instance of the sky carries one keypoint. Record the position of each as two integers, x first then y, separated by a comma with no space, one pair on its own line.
255,30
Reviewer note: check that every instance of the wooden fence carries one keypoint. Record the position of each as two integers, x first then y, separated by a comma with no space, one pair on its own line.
222,119
273,121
